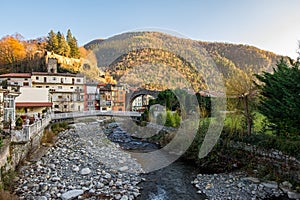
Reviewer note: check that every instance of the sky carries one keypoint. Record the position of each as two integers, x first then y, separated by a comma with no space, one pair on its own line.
272,25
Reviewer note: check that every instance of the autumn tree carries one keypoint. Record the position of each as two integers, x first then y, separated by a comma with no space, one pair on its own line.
240,86
11,50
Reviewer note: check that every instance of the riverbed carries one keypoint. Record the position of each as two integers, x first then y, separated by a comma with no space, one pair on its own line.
95,161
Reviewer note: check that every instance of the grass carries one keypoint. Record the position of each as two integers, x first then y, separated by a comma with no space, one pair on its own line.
236,123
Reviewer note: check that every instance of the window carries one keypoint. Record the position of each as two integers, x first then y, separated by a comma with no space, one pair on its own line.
45,79
47,86
37,78
60,97
59,87
56,106
65,106
54,78
26,79
71,87
25,84
78,80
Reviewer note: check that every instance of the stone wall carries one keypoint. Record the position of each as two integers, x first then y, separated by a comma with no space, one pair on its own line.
12,154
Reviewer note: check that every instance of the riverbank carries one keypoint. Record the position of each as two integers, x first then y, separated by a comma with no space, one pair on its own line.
83,163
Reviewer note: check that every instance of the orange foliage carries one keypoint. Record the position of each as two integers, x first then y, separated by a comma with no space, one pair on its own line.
11,50
83,52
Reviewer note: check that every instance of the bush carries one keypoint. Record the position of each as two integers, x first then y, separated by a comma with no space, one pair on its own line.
19,122
48,136
57,127
7,180
288,145
6,195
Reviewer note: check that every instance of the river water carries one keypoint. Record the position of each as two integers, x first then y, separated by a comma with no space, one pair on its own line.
170,183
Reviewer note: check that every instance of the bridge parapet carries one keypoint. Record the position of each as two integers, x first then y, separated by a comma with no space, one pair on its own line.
70,115
28,131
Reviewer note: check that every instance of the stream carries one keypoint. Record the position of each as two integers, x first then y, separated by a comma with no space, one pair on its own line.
172,182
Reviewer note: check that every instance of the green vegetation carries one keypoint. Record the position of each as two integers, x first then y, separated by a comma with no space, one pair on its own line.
7,180
57,43
279,100
50,135
170,119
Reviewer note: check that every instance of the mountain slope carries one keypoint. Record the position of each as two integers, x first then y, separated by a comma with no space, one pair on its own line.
194,60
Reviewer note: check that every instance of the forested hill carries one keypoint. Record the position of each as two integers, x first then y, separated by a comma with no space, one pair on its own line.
244,57
239,55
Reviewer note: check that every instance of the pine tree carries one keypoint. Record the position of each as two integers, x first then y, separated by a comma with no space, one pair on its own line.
72,42
52,42
63,47
280,100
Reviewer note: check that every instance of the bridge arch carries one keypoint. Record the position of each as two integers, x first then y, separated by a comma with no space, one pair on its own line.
130,97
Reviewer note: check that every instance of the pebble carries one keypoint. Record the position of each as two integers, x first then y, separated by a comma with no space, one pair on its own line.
71,194
85,171
80,162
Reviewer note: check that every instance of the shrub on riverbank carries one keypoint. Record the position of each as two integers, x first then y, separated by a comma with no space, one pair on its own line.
50,134
6,195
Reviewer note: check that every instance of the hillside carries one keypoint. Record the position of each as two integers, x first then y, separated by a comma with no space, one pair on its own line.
141,58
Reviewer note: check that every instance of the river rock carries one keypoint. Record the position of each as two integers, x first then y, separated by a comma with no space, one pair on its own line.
252,179
124,168
293,195
75,169
270,185
71,194
85,171
42,198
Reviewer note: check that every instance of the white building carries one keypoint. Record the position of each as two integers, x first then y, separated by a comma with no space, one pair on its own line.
7,107
26,104
17,79
91,93
67,90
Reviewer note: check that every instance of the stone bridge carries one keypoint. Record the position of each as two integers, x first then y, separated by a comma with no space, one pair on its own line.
132,95
71,115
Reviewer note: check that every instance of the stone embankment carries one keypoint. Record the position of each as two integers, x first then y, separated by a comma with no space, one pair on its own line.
83,164
240,186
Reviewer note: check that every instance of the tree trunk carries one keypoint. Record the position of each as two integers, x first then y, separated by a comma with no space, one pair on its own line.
247,115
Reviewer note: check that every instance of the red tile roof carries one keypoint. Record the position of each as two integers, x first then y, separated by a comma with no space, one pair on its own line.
17,75
33,104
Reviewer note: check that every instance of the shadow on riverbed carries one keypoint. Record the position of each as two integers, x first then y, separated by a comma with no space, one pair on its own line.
172,182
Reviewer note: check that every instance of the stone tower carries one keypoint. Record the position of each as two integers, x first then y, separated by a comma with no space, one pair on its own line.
52,65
